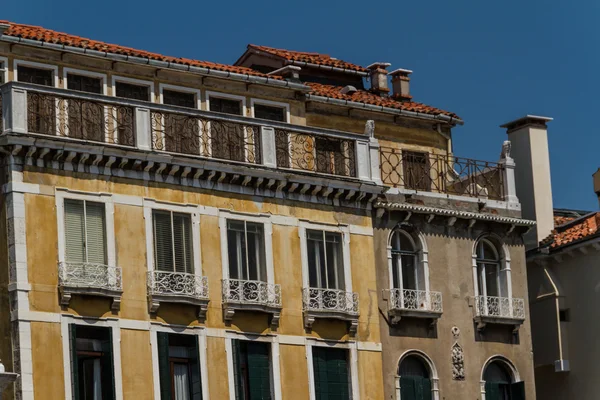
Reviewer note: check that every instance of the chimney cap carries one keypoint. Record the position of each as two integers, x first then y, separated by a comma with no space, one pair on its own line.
4,27
400,71
378,65
526,120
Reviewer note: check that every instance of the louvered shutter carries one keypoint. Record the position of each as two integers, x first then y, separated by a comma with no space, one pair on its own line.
74,361
492,391
108,371
96,233
237,370
75,231
517,391
337,365
182,243
163,241
408,388
164,368
259,371
195,372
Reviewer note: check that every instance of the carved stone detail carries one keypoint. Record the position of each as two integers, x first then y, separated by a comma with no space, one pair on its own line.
458,357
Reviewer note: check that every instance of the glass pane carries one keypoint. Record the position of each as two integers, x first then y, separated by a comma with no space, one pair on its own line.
405,242
269,112
35,75
131,91
180,99
74,231
409,279
335,261
236,247
396,271
480,279
491,279
316,258
227,106
163,241
84,83
181,381
256,252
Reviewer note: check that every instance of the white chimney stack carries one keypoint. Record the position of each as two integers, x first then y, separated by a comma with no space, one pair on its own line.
378,77
529,138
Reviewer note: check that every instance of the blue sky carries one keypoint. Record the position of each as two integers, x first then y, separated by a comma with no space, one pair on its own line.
489,62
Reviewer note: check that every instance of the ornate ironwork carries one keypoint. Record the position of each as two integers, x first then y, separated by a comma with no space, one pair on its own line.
177,283
499,307
187,134
317,299
80,119
251,292
315,153
89,275
417,300
441,173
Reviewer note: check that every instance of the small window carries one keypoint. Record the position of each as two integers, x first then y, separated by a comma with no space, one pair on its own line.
85,232
181,99
564,315
179,367
132,91
92,362
246,249
83,83
325,259
331,373
417,172
85,118
334,156
39,76
173,242
252,370
227,106
269,112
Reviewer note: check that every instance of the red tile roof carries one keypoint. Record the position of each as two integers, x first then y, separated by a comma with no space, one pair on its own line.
47,35
571,230
313,58
364,96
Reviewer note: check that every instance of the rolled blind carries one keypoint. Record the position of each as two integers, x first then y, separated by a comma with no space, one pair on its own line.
75,231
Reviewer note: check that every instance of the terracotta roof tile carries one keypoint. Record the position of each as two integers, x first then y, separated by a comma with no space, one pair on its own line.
364,96
47,35
573,230
314,58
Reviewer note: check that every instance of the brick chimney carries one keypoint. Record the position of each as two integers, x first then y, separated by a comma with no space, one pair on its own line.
401,84
378,76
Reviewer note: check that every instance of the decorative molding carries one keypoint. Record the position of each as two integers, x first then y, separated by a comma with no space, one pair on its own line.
458,357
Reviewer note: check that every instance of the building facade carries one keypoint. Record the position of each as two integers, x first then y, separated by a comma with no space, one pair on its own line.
178,229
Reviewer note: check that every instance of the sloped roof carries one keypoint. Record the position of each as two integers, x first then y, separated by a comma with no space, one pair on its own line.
569,230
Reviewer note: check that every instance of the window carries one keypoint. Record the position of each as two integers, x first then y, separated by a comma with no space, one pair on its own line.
2,72
252,370
227,139
83,83
246,250
415,380
85,118
406,272
564,315
182,133
325,259
499,383
132,91
179,367
41,109
85,232
270,112
334,156
227,106
331,373
488,269
92,363
416,170
180,99
172,242
39,76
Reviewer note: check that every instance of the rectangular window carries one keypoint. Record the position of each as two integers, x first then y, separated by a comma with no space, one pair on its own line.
85,232
2,72
325,259
92,365
227,106
227,138
132,91
41,109
172,242
331,373
416,170
246,249
333,156
270,112
83,83
85,118
179,367
181,133
39,76
252,370
181,99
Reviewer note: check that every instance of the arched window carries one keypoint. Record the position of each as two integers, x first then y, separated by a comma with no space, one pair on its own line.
488,269
415,379
500,382
406,271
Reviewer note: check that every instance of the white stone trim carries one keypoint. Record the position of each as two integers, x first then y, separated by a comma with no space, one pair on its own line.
435,389
140,82
227,96
352,361
109,210
76,71
303,225
504,275
32,64
270,103
149,206
202,358
515,373
66,320
268,239
275,367
183,89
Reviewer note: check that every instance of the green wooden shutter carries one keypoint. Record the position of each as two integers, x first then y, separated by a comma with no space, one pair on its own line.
195,372
95,232
237,370
517,391
164,367
426,384
330,368
108,370
492,391
163,241
182,242
259,371
75,231
74,361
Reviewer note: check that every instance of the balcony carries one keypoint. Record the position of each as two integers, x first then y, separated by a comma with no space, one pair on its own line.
177,287
499,310
414,304
89,279
240,295
330,303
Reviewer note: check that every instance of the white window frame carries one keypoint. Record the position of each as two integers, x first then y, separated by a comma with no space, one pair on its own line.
53,68
174,88
344,230
226,96
422,254
271,103
275,367
192,210
107,200
83,72
268,240
434,378
352,361
132,81
504,274
200,334
111,323
4,68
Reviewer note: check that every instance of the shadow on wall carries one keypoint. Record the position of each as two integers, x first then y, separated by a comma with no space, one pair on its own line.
497,334
413,327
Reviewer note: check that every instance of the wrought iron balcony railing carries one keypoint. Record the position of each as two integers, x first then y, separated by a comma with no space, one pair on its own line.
177,287
442,174
415,300
90,279
499,307
238,291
